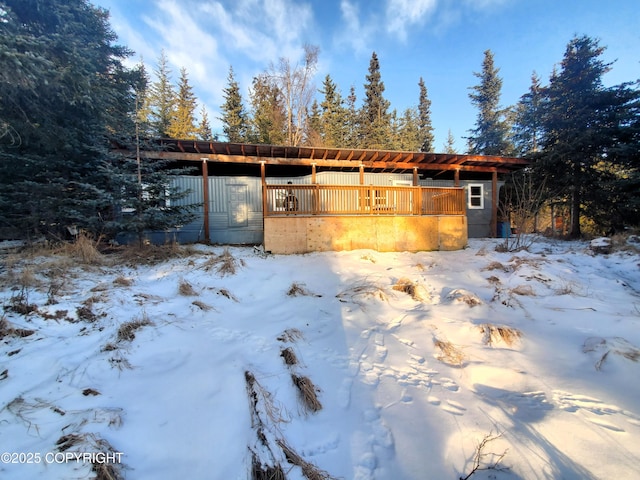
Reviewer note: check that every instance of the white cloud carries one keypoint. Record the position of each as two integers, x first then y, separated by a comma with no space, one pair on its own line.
355,34
404,14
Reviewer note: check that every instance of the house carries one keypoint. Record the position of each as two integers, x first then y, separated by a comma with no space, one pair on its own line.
301,199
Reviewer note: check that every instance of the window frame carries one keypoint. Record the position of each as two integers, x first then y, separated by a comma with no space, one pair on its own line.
471,196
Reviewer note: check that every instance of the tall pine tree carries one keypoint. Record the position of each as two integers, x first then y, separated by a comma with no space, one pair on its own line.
375,119
491,134
162,98
333,118
235,124
425,127
183,123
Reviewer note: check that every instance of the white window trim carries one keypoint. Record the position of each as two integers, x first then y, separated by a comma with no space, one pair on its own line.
470,196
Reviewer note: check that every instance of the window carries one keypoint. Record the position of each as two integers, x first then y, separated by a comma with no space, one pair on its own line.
475,196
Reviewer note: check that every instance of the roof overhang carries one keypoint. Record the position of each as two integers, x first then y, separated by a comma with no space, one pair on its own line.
336,158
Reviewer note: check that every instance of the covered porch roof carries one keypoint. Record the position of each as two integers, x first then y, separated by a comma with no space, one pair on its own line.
335,158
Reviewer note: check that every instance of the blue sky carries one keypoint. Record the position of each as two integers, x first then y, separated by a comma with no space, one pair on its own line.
441,41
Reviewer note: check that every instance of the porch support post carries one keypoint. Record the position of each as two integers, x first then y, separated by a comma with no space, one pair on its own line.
456,178
494,204
362,192
205,199
415,176
263,179
361,174
313,173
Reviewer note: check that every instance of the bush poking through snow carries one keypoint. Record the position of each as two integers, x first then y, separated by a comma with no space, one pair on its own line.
483,460
449,353
364,289
260,471
523,291
407,286
127,331
201,305
89,442
85,249
499,333
19,303
308,393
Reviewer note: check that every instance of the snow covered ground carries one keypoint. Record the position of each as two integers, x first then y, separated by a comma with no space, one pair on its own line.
413,360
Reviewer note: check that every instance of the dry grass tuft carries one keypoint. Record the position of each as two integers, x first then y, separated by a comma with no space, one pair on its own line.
299,289
290,335
226,293
410,288
616,346
493,280
186,289
523,290
90,392
126,331
225,263
289,356
496,333
123,281
308,393
364,289
85,249
460,295
449,353
7,330
19,303
309,470
85,312
496,266
89,442
202,306
260,471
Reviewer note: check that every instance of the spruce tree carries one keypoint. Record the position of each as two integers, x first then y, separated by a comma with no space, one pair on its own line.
333,121
234,117
183,123
527,125
375,119
269,115
425,128
204,128
162,97
588,141
353,135
491,134
64,95
450,144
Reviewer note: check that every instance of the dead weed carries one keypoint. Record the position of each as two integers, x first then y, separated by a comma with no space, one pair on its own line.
607,346
186,289
224,264
299,290
410,288
8,330
126,331
290,335
308,393
496,333
289,356
449,353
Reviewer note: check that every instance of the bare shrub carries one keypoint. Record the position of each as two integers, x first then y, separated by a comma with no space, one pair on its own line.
262,471
449,353
308,393
493,280
186,289
364,288
483,460
126,331
226,293
496,333
19,303
85,312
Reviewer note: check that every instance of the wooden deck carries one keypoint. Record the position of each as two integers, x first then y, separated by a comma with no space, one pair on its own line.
336,200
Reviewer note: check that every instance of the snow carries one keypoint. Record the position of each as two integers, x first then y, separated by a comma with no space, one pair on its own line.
405,350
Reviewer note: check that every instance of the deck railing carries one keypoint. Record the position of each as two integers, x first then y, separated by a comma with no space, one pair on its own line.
362,200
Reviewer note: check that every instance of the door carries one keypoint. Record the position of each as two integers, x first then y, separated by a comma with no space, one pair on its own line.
238,205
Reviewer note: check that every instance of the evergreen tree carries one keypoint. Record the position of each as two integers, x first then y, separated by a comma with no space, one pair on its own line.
450,145
269,115
408,134
143,106
162,98
234,117
589,139
64,94
183,123
527,125
424,119
204,128
333,121
353,135
490,137
313,136
375,118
